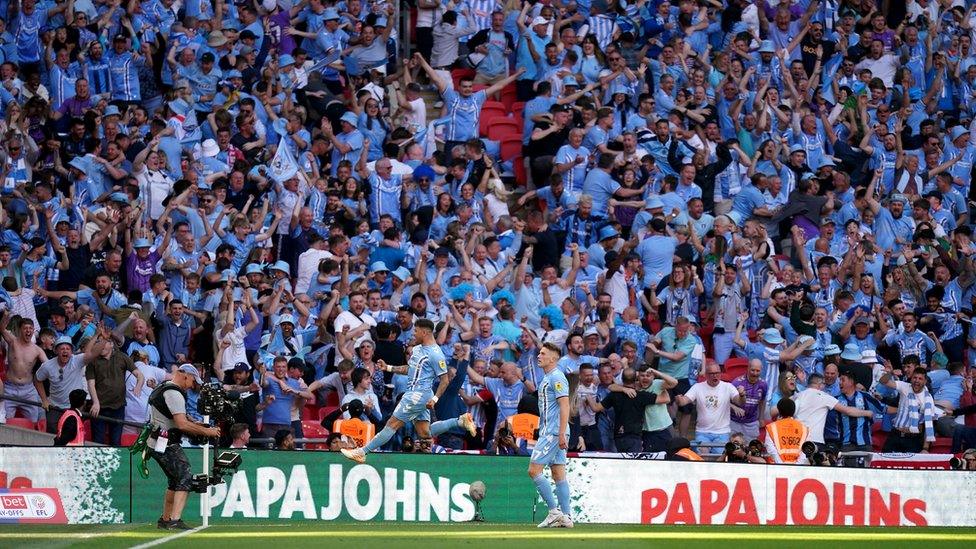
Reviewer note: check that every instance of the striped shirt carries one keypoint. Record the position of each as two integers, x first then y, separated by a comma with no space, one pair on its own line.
915,410
856,431
769,356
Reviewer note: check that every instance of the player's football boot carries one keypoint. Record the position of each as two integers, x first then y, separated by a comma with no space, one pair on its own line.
468,423
565,521
357,454
552,520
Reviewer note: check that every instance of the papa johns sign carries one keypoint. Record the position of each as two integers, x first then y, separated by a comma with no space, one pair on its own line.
714,501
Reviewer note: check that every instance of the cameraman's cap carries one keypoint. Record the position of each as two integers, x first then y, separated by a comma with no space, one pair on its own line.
63,340
191,371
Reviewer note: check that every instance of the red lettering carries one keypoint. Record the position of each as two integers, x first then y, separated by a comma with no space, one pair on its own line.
742,508
800,492
883,512
781,511
842,509
913,512
681,510
713,496
653,503
16,483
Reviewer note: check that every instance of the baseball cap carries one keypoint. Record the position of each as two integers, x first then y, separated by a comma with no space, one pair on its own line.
539,20
242,367
191,371
63,340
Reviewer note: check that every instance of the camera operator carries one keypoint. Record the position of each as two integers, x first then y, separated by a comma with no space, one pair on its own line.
168,415
737,451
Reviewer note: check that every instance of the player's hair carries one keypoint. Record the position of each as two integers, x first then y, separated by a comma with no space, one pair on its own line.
552,348
425,324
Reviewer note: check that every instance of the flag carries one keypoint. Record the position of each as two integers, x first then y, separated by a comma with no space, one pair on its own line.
283,165
425,136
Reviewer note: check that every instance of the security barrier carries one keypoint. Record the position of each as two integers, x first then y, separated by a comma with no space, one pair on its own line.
102,485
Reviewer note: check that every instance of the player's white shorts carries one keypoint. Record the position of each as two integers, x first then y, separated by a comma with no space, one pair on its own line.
413,406
548,452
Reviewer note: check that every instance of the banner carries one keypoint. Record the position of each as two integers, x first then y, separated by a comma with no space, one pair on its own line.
102,485
653,492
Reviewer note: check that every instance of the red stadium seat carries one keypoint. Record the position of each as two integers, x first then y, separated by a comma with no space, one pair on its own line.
509,95
332,399
21,422
518,108
518,166
309,412
487,119
128,439
942,445
735,367
511,148
458,74
312,429
325,411
503,127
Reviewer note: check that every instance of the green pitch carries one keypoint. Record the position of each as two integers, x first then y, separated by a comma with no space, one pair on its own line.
379,534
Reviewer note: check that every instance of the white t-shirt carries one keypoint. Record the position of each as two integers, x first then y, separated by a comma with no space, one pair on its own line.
812,406
308,267
154,186
714,405
236,352
137,407
347,318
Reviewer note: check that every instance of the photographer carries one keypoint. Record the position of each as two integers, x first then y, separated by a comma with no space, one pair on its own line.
737,451
786,435
167,413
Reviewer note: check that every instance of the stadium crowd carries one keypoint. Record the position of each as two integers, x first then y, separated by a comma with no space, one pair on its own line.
710,205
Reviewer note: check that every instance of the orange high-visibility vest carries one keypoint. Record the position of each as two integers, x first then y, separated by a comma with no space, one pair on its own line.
79,439
356,429
788,435
689,455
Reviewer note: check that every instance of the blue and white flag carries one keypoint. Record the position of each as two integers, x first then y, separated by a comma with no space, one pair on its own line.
283,165
425,136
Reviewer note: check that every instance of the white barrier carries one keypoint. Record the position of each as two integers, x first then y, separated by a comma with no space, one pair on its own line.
654,492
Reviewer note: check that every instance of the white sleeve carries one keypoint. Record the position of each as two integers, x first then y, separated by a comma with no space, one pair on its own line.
771,449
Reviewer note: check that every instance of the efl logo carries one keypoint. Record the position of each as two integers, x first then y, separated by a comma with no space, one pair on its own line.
13,502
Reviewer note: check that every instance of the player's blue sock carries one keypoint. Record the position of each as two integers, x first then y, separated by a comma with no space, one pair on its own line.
545,490
441,427
562,492
379,440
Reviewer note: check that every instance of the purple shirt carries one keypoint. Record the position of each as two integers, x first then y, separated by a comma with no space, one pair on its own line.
138,271
755,393
279,38
75,107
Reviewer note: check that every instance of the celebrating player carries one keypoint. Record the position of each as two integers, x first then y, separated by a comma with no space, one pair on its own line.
553,439
426,364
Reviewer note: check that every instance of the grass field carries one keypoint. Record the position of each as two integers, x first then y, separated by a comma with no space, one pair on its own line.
388,535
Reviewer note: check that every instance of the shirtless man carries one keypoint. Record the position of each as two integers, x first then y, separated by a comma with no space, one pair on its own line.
22,354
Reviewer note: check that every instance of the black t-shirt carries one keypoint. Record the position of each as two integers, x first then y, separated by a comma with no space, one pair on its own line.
628,412
78,260
545,251
548,145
